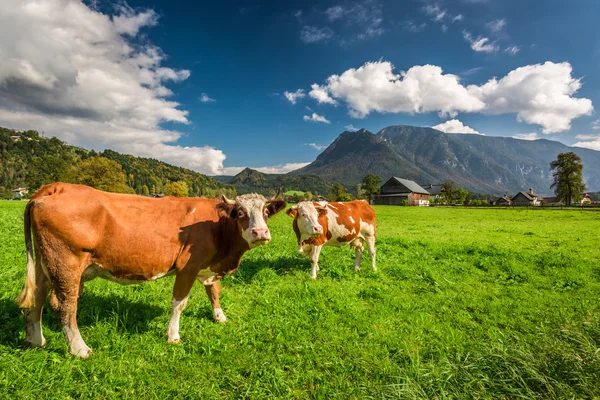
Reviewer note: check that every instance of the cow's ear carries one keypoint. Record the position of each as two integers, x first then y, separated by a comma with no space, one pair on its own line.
225,210
292,212
275,206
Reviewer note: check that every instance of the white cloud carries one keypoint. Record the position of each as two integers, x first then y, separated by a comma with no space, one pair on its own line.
316,146
496,25
539,94
320,94
596,124
298,14
87,78
316,118
527,136
471,71
312,34
334,13
455,126
587,137
276,169
589,144
205,99
129,22
480,44
458,17
512,50
444,27
292,97
412,27
351,128
434,11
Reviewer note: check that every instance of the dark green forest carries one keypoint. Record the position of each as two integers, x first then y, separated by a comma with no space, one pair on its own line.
27,159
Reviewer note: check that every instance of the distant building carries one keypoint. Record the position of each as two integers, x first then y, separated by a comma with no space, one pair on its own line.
527,199
18,193
587,200
503,201
435,190
552,201
397,190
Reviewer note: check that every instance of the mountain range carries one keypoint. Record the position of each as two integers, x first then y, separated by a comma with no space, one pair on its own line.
479,163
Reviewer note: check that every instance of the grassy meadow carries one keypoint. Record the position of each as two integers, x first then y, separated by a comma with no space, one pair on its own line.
467,303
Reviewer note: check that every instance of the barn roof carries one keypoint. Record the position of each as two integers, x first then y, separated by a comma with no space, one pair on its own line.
411,185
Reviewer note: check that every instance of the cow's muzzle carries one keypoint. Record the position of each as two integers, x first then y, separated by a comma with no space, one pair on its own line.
260,235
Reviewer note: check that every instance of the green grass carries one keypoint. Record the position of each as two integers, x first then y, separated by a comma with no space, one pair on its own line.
468,303
293,192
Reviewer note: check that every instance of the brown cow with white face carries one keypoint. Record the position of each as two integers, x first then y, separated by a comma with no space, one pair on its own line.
319,224
80,233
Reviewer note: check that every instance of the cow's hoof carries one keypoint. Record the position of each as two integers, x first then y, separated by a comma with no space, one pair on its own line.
34,343
314,276
219,316
175,340
356,268
84,352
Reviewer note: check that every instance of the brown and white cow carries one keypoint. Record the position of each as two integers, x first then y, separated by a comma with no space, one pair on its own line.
319,224
80,233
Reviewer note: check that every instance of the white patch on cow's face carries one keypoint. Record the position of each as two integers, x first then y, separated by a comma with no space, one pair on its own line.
308,220
252,207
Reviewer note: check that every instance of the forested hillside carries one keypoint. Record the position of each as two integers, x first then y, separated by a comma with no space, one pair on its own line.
250,180
30,160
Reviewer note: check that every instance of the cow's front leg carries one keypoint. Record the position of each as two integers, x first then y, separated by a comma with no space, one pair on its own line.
214,291
314,260
181,291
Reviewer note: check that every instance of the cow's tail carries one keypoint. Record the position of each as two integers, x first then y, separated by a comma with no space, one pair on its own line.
27,297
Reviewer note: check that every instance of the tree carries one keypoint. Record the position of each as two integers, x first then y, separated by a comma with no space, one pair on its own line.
448,193
460,197
308,196
177,189
145,190
339,194
567,171
370,185
101,173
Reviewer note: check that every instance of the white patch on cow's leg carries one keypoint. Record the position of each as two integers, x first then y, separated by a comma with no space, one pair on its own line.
372,252
36,337
314,261
219,315
359,251
177,307
77,346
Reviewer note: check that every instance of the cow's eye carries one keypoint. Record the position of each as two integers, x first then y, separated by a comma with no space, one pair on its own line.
240,214
266,211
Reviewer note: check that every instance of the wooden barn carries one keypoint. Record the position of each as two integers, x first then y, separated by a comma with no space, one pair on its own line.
503,201
397,190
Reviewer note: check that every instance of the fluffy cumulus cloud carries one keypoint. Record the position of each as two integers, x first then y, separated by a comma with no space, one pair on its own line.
539,94
316,118
455,126
588,141
351,128
320,94
89,78
293,97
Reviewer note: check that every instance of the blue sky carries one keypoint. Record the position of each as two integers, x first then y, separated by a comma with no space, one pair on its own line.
204,85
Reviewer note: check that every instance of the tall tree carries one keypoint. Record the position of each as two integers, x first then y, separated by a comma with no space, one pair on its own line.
448,193
177,189
339,194
567,171
101,173
370,185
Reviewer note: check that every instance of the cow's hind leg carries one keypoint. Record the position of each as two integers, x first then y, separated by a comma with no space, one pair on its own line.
214,291
358,248
314,260
370,240
181,291
65,305
33,316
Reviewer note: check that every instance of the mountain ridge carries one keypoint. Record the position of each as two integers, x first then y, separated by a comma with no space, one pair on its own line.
489,164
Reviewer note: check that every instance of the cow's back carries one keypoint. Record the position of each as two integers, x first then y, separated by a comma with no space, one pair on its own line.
125,234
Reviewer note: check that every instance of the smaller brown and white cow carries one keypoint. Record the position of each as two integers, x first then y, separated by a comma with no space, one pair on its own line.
319,224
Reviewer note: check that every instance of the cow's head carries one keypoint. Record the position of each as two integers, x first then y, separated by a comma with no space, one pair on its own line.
307,215
251,211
